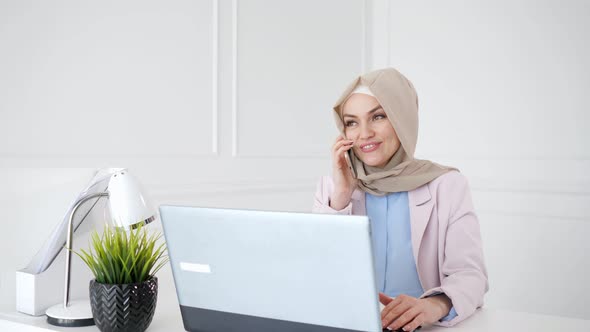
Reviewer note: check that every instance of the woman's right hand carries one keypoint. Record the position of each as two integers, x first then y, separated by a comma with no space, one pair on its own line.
344,182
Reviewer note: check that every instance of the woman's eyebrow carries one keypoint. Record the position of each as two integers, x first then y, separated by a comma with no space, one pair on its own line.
373,110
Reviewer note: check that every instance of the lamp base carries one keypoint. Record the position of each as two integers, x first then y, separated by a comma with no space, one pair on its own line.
78,313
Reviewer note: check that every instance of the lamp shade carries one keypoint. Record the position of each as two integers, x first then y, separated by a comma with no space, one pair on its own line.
129,206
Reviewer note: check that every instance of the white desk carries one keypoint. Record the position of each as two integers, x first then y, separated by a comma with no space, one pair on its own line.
169,320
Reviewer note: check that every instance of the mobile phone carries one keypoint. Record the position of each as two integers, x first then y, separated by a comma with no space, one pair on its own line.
348,157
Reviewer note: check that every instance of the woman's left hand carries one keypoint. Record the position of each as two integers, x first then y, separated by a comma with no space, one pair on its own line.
409,313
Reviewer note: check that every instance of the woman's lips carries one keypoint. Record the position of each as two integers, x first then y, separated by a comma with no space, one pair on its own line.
370,147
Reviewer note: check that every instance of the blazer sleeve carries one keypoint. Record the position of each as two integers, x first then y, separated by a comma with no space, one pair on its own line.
465,278
321,202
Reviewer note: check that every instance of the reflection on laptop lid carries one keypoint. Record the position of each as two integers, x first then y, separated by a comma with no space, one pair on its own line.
243,270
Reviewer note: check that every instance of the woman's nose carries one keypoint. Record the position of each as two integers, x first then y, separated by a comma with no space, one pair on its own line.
366,131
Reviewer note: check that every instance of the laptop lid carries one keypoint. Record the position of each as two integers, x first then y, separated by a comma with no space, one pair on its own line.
244,270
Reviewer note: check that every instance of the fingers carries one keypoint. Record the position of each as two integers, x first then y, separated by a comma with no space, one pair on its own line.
416,323
339,154
340,146
340,138
340,151
413,313
341,143
393,311
344,179
384,299
392,304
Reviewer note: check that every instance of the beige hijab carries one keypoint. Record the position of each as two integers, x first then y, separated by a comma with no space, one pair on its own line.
399,100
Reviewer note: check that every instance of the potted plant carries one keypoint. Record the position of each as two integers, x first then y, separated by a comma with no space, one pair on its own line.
124,293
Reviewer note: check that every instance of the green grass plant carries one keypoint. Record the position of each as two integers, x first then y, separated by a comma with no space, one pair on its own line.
121,257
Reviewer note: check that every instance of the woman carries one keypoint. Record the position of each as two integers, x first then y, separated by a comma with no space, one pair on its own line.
425,234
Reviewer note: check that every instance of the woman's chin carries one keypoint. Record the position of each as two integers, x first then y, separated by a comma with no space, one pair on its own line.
373,163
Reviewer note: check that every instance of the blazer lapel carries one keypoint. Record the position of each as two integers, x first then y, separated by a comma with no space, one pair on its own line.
358,197
421,204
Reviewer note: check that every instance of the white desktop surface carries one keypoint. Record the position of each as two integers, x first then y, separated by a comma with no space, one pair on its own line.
492,320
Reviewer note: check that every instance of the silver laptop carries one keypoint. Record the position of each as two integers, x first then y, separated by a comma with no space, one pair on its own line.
243,270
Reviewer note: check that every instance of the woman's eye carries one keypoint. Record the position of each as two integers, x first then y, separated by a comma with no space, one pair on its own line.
379,117
350,123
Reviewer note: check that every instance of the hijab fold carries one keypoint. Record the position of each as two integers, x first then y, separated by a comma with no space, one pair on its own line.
398,98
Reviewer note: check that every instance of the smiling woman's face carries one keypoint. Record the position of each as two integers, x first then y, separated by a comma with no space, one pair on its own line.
365,122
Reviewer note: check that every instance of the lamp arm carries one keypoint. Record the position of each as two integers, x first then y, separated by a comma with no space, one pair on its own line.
69,242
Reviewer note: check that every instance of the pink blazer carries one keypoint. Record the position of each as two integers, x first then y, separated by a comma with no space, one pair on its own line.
445,238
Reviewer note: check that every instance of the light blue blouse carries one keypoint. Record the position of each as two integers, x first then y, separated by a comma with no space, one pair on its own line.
395,267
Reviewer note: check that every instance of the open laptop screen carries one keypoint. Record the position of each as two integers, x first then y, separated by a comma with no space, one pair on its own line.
244,270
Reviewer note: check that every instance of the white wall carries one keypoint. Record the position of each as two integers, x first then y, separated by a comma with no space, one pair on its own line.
209,103
227,103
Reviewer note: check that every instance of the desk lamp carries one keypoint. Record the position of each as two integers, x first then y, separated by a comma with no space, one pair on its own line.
129,210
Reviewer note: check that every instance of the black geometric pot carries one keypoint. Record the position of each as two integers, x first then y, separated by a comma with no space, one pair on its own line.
123,308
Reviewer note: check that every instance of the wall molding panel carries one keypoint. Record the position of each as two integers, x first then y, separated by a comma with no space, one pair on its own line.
237,109
65,123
